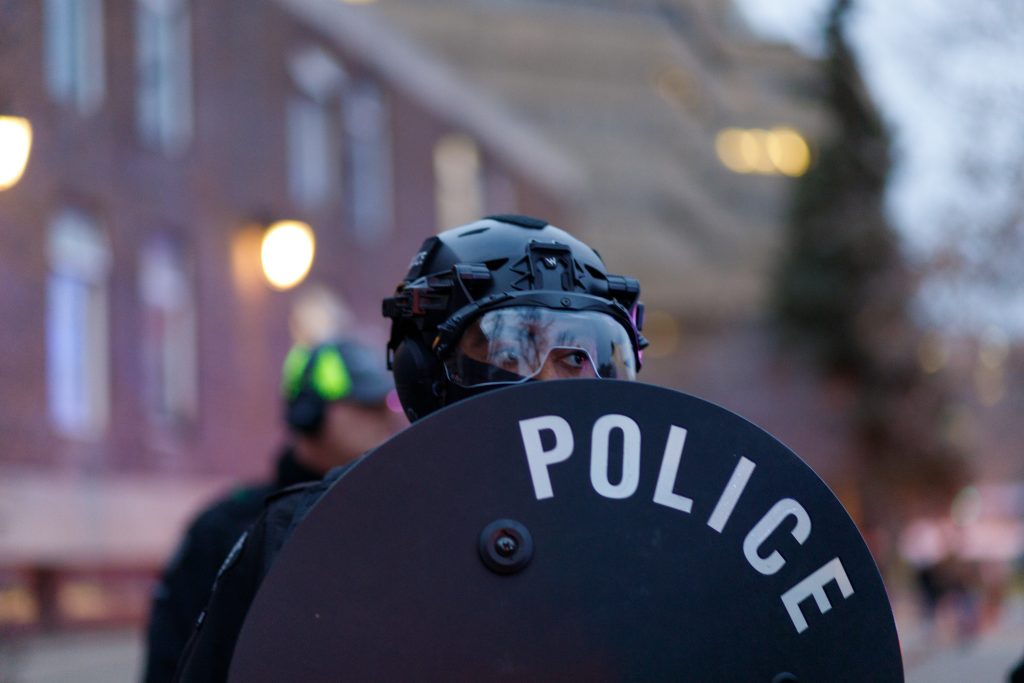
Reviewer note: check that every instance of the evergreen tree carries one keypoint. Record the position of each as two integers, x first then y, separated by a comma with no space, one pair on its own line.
843,293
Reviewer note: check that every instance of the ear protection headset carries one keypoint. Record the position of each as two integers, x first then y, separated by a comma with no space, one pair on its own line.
417,373
323,378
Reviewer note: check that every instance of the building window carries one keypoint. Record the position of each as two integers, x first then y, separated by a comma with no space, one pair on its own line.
77,335
169,332
312,153
164,52
371,188
458,181
74,53
314,145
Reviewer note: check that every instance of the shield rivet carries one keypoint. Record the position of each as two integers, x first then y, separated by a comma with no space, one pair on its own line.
505,546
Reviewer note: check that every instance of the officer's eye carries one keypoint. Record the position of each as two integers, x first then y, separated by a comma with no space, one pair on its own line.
574,359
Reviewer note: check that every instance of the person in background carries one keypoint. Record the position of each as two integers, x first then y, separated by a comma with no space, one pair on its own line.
335,409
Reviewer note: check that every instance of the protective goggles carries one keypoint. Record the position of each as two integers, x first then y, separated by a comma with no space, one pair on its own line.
519,343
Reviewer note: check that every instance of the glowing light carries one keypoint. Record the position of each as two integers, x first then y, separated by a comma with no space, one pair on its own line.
765,152
788,151
18,605
15,145
84,599
755,149
730,147
287,253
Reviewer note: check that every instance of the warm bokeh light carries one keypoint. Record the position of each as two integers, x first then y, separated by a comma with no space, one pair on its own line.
246,269
730,145
750,149
15,145
788,151
18,605
287,253
83,600
766,152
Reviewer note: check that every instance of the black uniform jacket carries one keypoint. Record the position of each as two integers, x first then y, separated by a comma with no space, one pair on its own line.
208,654
185,584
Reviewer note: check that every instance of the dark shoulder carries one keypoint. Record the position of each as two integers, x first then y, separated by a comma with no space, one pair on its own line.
287,508
241,505
298,494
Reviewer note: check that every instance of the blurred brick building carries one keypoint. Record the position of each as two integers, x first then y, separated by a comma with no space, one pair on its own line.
141,345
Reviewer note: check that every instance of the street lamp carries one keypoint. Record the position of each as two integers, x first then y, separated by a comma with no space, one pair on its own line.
287,253
15,145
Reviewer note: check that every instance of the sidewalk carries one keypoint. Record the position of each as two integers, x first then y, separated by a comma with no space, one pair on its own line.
989,657
91,657
110,657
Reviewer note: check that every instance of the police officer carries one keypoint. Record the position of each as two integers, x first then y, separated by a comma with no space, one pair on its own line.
335,408
505,300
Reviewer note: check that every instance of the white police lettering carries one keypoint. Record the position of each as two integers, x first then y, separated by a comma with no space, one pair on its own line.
769,523
669,467
737,482
630,456
540,459
814,585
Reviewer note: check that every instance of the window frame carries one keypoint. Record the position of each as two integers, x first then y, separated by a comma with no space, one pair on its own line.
74,59
78,325
164,106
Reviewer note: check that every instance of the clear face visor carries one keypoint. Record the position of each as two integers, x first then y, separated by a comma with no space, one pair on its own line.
519,343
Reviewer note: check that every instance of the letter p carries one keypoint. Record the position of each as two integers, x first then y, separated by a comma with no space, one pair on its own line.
537,457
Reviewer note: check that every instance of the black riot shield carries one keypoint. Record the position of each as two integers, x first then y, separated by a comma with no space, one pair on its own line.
575,530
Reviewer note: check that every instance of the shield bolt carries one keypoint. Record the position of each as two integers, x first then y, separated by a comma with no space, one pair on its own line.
505,546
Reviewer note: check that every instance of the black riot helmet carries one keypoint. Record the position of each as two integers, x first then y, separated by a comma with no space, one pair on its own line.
505,300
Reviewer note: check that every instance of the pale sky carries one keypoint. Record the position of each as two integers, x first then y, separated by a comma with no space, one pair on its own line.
948,78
